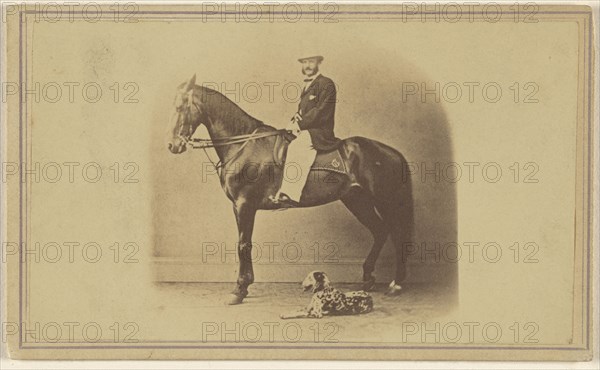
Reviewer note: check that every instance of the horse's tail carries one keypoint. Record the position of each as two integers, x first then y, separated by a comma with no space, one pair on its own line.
385,173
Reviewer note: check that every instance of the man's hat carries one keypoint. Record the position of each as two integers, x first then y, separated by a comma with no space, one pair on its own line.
317,57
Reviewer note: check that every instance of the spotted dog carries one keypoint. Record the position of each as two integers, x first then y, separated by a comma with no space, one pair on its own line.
329,301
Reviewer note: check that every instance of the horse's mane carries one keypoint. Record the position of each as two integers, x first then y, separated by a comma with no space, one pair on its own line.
221,107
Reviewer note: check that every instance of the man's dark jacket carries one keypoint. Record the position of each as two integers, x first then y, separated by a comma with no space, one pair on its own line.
317,108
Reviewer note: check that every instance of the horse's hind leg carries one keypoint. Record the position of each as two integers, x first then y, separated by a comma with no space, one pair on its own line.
360,203
398,215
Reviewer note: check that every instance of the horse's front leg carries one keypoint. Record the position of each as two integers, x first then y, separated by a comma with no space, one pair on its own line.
245,215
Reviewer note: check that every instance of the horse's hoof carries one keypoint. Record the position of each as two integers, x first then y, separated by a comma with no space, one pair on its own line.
392,292
368,285
393,289
235,299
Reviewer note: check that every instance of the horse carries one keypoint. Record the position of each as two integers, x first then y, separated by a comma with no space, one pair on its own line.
376,190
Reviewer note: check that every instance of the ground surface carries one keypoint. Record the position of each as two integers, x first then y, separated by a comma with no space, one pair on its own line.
197,312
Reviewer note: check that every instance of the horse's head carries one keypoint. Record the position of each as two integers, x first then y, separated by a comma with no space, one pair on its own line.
185,119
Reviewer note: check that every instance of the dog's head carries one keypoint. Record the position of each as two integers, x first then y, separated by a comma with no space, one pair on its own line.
316,281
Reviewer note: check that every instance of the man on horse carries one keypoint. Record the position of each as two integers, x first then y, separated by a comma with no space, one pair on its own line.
312,125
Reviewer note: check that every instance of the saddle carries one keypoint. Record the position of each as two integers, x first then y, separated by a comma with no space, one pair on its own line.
332,161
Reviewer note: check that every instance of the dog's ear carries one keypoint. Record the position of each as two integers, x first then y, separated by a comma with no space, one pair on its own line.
319,276
321,281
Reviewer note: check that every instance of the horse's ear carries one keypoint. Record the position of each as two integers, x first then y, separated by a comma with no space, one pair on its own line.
191,83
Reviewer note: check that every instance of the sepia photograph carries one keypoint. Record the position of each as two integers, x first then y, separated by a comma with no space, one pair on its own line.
299,181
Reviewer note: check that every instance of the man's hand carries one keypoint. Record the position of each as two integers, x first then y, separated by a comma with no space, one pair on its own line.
293,127
297,117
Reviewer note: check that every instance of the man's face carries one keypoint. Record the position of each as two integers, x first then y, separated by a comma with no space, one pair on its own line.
310,66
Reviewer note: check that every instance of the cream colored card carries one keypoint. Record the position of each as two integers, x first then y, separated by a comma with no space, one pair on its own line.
468,139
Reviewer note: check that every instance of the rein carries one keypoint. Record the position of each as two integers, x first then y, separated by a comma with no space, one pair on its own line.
204,144
197,143
230,140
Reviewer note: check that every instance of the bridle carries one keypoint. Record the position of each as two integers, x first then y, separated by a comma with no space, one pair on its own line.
185,134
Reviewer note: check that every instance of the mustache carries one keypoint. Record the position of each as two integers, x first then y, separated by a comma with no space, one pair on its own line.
308,70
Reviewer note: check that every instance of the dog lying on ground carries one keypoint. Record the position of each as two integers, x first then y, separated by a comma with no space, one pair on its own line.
329,301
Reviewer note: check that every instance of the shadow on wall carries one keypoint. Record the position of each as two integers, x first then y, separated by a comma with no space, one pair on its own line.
194,227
